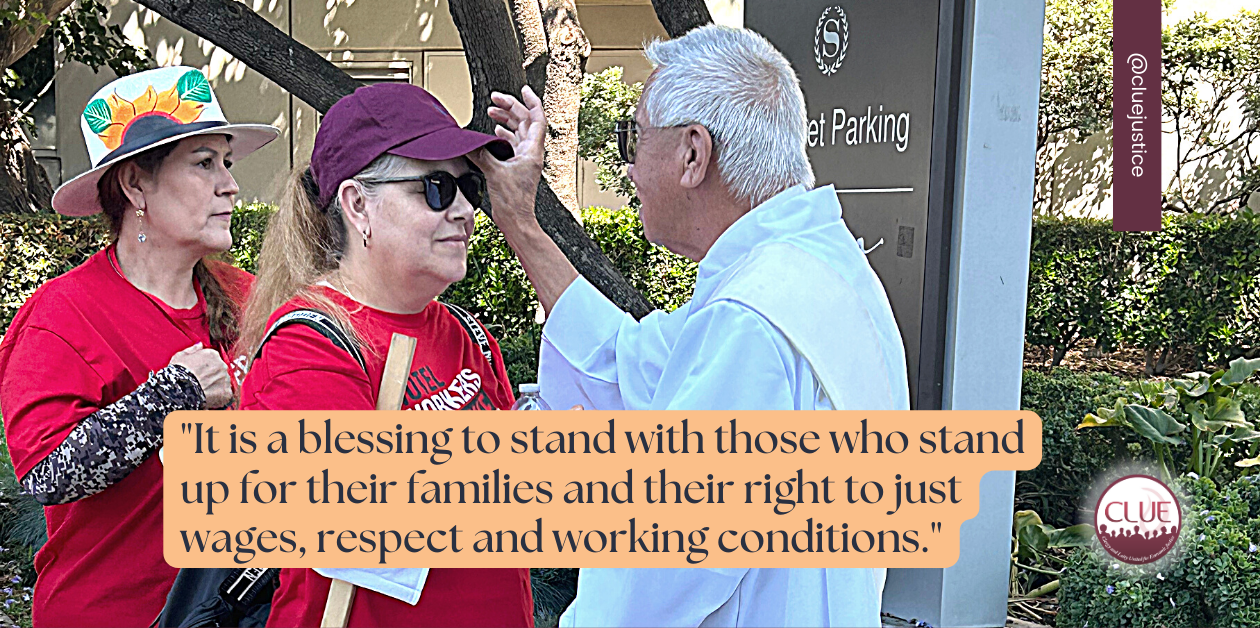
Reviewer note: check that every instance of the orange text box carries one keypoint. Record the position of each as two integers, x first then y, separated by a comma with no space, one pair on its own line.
581,489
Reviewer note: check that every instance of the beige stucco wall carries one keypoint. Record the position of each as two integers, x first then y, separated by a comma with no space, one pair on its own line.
417,37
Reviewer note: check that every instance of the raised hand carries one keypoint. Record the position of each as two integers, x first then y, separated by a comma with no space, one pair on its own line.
513,183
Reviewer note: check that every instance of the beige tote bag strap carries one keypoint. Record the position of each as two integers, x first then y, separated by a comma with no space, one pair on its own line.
402,350
337,609
397,368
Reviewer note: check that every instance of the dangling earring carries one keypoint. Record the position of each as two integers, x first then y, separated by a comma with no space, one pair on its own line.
367,233
140,216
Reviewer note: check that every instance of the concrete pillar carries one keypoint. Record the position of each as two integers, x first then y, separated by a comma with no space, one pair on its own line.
992,224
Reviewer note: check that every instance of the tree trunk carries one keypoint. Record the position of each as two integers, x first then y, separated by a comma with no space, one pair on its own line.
249,37
680,16
568,49
24,186
527,18
494,61
555,50
495,64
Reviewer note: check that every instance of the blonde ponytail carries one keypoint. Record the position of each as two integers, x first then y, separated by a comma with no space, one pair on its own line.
303,245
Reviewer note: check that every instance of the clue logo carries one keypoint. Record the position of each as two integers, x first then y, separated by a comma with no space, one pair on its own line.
831,40
1138,519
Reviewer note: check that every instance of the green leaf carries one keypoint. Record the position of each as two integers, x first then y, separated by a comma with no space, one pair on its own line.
1074,536
1155,425
1106,417
98,116
1227,412
1200,388
194,86
1032,538
1102,419
1250,462
1026,518
1198,415
1244,434
1240,370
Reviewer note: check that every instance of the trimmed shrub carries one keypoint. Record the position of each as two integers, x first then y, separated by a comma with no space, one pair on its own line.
520,355
666,279
1192,288
249,224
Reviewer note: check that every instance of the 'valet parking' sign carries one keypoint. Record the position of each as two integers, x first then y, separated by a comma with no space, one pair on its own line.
869,70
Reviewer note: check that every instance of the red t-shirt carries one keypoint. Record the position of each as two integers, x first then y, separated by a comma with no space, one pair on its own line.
81,342
301,370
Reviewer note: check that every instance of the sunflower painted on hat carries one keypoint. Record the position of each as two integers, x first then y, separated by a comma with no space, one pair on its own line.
110,117
145,110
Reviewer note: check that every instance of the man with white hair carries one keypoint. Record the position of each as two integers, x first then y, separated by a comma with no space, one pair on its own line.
787,314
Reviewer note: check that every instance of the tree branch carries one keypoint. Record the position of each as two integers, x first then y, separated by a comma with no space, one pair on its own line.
1243,135
680,16
249,37
17,39
495,64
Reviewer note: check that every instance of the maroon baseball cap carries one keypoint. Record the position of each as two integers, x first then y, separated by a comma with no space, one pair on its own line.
395,118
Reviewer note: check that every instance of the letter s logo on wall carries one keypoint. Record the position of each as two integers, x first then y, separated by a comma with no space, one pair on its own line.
831,40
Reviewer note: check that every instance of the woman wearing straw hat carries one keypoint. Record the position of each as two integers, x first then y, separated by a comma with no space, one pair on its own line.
371,234
96,358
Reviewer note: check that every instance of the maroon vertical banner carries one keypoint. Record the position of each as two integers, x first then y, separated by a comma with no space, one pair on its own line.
1136,72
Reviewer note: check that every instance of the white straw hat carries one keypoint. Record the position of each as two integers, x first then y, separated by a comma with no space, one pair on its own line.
144,110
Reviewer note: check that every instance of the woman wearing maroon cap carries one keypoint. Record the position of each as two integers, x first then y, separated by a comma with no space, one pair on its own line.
370,235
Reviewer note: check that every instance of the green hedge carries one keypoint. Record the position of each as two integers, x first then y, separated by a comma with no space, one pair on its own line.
1195,286
1192,288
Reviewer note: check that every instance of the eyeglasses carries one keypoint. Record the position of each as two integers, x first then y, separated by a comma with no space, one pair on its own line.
628,137
440,187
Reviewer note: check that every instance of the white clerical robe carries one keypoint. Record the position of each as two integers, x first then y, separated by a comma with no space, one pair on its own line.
787,315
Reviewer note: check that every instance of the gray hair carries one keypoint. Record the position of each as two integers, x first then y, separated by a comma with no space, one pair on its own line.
383,167
739,87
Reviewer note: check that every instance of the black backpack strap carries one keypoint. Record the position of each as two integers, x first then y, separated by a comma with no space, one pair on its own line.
321,322
243,586
474,330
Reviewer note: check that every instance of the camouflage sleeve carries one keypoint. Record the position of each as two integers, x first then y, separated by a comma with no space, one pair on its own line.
112,442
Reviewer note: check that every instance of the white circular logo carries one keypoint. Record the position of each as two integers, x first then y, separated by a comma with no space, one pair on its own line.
831,40
1138,519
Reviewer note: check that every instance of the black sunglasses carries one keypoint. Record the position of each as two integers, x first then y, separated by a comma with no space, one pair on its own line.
627,139
440,187
627,131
